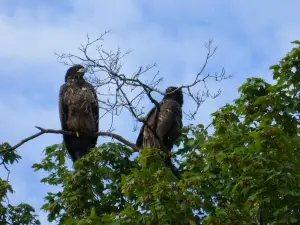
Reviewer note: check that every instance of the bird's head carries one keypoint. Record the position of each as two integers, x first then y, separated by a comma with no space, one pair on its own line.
175,94
75,72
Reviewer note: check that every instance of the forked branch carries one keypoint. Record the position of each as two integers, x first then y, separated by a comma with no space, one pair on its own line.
127,91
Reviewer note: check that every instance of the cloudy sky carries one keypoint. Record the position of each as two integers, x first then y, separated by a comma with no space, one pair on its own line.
251,35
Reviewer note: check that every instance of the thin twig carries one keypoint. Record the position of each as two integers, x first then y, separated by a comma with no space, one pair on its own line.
109,64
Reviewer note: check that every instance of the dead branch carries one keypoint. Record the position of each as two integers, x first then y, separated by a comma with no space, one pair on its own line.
127,91
52,131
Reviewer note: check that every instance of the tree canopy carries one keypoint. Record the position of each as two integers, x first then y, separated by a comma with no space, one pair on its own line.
246,171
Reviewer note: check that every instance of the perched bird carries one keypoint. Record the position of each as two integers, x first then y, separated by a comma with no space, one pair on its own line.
78,111
168,123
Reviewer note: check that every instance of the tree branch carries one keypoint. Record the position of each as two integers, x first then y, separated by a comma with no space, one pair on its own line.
109,64
52,131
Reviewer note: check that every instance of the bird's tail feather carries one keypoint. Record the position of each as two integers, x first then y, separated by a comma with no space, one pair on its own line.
78,147
79,154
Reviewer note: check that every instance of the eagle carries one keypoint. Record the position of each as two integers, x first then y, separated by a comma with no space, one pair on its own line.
168,123
78,112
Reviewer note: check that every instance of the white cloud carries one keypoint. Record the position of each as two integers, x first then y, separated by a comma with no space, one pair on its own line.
251,37
35,34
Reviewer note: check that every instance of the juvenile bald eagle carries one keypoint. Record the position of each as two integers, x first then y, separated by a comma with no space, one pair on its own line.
168,124
78,111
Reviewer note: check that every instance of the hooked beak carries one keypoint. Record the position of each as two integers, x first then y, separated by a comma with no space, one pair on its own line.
82,70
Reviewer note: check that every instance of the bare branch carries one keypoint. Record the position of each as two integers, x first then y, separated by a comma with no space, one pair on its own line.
105,69
52,131
127,91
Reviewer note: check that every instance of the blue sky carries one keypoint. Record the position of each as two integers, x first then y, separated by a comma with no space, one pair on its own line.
251,35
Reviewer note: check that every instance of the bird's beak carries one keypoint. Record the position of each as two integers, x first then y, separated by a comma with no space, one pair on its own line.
82,70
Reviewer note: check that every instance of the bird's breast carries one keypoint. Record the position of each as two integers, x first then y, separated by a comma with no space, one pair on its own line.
79,95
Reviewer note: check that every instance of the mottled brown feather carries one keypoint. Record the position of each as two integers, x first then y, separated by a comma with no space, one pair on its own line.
168,127
79,112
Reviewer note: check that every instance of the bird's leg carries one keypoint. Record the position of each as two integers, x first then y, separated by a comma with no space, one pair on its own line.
77,133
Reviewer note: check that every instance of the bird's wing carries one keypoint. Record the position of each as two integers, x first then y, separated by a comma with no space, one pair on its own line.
170,114
95,107
63,108
175,131
139,141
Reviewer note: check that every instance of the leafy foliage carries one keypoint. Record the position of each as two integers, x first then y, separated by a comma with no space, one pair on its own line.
93,187
254,151
9,214
245,172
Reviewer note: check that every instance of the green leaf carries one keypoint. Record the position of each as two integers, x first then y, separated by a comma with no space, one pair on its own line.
44,180
93,213
190,143
296,42
293,219
260,100
274,67
61,159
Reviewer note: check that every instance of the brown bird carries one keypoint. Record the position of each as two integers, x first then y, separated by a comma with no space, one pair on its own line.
78,111
168,123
